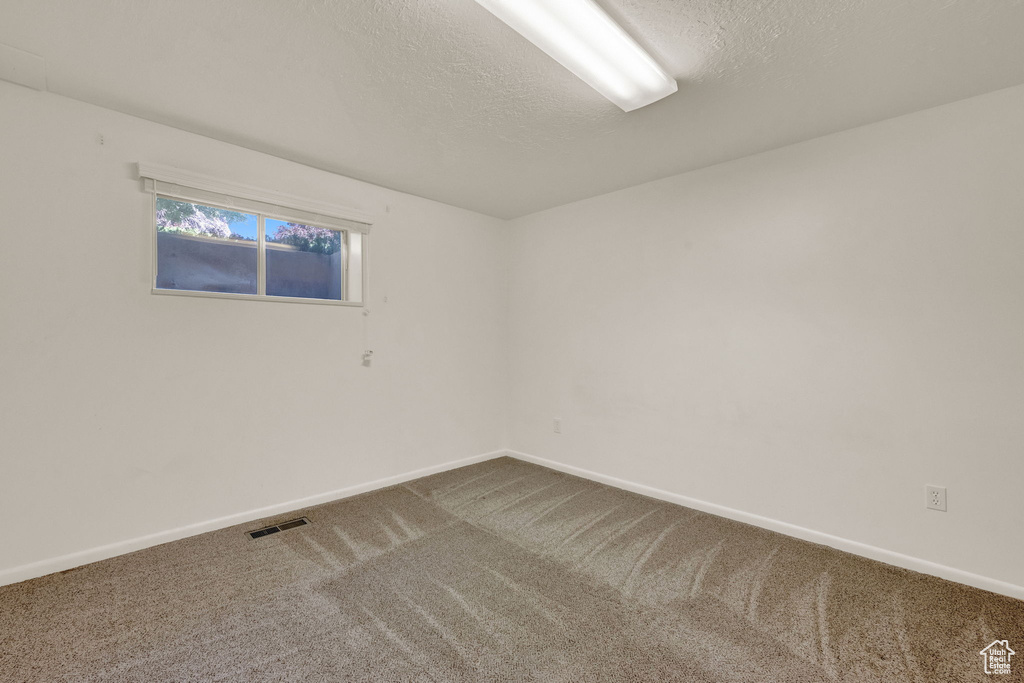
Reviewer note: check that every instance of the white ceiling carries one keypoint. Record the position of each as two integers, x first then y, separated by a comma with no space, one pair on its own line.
440,99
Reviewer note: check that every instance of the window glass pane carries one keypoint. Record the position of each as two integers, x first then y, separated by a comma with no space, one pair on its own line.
303,260
205,249
355,267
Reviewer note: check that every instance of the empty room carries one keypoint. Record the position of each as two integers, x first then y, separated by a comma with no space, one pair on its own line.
512,340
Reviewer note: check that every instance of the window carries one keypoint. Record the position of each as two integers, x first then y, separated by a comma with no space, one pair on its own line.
215,239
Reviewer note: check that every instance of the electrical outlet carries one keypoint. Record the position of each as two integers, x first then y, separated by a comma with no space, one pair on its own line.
558,425
936,498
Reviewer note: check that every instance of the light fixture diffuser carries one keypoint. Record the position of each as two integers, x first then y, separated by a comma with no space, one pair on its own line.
580,36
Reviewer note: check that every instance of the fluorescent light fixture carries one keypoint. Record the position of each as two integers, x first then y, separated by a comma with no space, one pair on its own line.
580,36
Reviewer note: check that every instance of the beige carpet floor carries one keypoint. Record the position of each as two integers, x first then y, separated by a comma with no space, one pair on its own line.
501,571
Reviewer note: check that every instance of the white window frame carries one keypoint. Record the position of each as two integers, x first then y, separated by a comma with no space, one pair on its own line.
185,186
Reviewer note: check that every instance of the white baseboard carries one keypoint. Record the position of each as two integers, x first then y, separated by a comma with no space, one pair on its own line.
82,557
855,547
77,559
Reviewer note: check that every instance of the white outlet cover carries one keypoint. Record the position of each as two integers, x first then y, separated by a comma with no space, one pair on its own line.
935,498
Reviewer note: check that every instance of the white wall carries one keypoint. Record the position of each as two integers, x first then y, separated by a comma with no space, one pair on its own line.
126,414
811,334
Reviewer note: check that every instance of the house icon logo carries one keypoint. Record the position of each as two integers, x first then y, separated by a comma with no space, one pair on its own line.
997,657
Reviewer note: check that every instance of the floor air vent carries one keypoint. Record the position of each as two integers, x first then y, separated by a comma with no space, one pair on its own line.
283,526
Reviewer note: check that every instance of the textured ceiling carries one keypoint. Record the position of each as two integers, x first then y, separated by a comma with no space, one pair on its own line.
440,99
